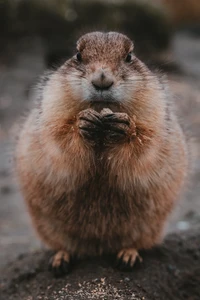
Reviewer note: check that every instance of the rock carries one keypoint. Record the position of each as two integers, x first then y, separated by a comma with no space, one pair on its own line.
170,271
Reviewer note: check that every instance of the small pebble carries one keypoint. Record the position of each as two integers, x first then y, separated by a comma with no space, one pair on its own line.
183,225
126,279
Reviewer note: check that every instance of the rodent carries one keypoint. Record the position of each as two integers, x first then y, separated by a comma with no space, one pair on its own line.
101,158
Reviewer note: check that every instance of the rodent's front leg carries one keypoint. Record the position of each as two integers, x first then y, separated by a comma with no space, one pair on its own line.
117,126
90,125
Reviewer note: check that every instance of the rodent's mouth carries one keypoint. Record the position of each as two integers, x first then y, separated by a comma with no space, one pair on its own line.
103,101
102,98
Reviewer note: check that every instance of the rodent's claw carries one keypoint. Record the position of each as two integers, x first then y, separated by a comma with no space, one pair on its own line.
60,264
108,126
126,259
116,125
90,115
116,118
90,124
119,129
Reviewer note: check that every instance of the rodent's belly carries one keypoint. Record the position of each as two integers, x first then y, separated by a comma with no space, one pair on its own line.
96,217
99,218
98,227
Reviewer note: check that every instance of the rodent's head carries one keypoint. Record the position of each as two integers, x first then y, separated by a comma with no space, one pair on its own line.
104,69
104,73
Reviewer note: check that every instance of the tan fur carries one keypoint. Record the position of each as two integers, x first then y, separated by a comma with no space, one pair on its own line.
87,198
129,255
58,257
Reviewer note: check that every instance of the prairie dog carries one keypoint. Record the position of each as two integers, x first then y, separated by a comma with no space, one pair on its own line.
101,159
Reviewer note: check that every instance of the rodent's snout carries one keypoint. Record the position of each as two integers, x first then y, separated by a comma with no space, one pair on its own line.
101,80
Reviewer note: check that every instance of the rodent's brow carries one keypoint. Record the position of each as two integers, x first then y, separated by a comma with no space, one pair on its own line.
130,49
100,41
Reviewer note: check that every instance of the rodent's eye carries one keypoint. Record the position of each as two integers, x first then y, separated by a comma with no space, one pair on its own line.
129,57
78,56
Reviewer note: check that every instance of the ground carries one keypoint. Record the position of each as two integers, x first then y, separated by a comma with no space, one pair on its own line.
171,271
168,272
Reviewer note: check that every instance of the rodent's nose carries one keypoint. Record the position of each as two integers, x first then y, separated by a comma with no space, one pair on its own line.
102,81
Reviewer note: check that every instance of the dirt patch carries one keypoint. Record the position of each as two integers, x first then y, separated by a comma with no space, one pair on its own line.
170,271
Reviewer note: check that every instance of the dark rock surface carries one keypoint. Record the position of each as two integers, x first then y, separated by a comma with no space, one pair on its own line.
168,272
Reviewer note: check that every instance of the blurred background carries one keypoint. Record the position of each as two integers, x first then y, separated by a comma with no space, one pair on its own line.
36,35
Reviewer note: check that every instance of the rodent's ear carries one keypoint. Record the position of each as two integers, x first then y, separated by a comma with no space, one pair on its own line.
132,47
129,46
80,45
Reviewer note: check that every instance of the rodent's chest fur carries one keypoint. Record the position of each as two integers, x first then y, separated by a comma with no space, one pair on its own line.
95,197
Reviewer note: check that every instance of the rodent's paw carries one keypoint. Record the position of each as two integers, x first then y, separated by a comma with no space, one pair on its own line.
60,264
90,124
126,259
117,126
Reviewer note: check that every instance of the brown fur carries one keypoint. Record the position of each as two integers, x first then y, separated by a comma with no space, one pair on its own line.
89,198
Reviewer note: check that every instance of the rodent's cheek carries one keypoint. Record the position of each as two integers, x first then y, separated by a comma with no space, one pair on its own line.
86,91
76,86
82,89
119,92
125,90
